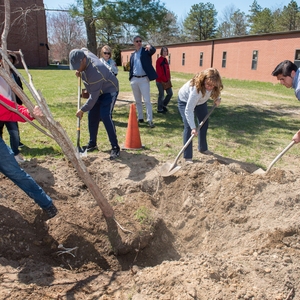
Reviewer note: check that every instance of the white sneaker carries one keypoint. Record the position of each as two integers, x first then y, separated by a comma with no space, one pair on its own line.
19,158
189,161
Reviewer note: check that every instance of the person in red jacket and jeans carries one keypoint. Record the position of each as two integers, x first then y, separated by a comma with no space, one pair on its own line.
164,75
9,166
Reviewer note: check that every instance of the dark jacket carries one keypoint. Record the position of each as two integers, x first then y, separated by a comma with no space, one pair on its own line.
146,61
19,82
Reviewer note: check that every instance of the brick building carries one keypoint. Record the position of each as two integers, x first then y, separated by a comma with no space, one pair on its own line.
28,34
251,57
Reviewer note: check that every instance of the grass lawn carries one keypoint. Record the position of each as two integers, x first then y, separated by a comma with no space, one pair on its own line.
253,124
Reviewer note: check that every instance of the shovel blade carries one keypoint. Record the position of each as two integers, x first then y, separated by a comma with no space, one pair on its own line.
168,169
82,152
259,171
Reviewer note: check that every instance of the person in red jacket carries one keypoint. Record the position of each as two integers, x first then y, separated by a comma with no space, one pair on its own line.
164,75
9,166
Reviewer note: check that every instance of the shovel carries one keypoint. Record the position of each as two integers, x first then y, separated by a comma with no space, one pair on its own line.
261,171
169,169
81,151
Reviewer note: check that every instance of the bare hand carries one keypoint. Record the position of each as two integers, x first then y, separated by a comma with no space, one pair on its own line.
217,102
296,137
79,114
37,111
77,74
148,47
194,132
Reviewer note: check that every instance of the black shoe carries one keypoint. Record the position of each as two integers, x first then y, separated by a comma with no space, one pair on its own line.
161,111
151,125
114,153
51,211
165,109
89,148
141,120
21,145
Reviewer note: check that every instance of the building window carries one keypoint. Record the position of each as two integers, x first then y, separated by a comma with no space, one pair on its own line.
169,58
201,59
157,56
183,59
297,58
224,59
254,60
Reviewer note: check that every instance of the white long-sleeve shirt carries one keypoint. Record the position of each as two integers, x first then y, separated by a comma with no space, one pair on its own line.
5,89
189,94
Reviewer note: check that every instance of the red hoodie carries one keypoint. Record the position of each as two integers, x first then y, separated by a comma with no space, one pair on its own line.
9,116
162,69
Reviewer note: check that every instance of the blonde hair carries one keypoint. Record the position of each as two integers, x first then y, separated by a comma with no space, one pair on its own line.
105,48
213,77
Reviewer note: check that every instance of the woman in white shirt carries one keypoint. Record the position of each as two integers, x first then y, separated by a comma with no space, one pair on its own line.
192,101
107,60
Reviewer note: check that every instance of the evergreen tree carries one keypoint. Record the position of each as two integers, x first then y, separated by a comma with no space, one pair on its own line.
290,17
142,14
201,22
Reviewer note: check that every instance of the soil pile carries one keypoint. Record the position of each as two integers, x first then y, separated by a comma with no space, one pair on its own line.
217,231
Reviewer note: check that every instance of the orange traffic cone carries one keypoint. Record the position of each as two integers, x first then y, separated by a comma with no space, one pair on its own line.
132,139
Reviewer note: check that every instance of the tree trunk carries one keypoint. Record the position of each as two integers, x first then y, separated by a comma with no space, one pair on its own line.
90,26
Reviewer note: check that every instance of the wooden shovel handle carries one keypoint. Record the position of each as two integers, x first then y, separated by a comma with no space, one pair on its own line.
280,155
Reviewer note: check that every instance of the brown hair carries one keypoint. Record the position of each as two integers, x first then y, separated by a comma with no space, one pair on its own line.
162,50
212,75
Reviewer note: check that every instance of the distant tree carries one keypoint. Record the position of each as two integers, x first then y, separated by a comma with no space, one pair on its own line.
224,30
254,10
201,22
64,34
277,20
144,15
107,30
116,54
262,22
234,23
225,27
239,23
290,17
167,32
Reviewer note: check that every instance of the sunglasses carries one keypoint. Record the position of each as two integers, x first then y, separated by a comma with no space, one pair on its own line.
138,41
106,53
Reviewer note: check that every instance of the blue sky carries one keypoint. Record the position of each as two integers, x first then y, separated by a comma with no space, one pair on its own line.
182,10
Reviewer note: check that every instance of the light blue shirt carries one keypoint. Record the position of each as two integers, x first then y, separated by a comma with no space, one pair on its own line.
137,65
296,84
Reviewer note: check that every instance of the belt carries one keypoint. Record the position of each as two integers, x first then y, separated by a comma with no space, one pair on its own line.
139,76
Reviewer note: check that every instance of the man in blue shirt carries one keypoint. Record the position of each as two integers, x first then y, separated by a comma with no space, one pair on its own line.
140,74
102,86
288,75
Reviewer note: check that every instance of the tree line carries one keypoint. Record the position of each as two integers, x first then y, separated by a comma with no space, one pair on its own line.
93,23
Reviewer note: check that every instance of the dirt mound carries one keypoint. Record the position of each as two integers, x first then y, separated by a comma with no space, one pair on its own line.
213,230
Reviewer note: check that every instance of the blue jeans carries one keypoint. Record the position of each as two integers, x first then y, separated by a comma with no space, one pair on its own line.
161,101
200,112
11,169
102,111
14,136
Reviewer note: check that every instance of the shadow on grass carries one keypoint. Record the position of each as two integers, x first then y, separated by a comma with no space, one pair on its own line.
40,151
245,122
